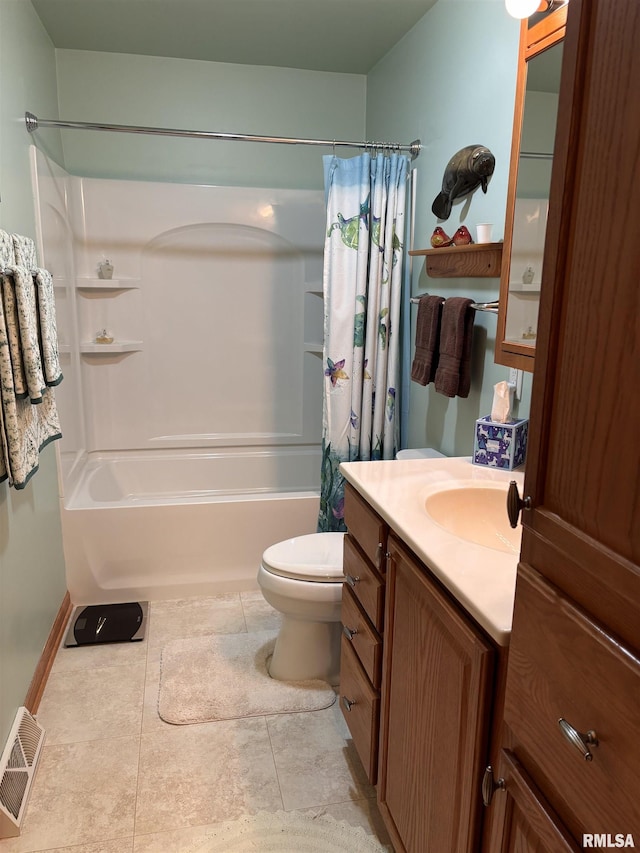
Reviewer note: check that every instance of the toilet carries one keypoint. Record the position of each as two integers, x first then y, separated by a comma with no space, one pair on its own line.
302,578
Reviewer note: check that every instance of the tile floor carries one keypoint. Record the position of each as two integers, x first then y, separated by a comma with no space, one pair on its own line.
114,778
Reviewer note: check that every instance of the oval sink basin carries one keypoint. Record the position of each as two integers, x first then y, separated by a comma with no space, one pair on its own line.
476,513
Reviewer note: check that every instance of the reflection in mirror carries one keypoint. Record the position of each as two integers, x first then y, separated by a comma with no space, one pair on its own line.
532,194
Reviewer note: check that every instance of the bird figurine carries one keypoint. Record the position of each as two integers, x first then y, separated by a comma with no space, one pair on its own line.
439,238
462,237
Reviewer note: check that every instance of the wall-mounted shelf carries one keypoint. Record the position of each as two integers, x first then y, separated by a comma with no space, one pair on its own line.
106,349
518,287
478,260
90,283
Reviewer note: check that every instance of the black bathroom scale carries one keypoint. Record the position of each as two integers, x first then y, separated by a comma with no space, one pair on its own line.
107,623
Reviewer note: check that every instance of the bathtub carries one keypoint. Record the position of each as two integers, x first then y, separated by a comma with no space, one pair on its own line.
163,524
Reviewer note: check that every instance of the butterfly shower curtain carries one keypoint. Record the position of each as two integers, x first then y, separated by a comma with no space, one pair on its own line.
362,286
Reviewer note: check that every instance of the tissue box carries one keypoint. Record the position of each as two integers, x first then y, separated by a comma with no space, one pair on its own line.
500,445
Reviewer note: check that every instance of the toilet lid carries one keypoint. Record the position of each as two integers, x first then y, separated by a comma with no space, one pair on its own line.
316,557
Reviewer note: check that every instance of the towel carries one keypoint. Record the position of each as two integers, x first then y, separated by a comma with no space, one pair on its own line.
25,429
453,376
19,296
36,292
425,361
47,327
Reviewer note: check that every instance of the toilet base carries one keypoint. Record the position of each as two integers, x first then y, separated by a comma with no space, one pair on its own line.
307,650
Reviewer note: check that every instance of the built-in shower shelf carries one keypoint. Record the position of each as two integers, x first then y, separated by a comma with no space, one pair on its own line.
106,349
87,283
314,348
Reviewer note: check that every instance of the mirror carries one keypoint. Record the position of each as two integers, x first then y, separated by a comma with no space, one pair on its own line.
538,84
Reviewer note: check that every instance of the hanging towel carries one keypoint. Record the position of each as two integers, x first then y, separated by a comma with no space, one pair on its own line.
20,288
453,376
425,361
44,306
24,428
46,312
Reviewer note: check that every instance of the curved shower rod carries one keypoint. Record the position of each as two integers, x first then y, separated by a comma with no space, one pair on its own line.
33,123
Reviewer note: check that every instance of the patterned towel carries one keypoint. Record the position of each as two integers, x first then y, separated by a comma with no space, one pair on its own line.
24,428
36,301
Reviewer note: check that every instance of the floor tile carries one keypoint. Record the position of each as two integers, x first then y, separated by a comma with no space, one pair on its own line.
120,845
193,617
106,654
316,760
362,813
90,704
199,774
82,793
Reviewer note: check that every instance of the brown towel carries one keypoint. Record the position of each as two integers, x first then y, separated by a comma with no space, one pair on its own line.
425,360
453,376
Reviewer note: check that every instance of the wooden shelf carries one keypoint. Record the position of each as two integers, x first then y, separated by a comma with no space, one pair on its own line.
478,260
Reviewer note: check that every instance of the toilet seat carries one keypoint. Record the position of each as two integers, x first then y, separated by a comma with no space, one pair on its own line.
314,558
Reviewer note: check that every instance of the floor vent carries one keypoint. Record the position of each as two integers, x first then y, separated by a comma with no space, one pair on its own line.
17,769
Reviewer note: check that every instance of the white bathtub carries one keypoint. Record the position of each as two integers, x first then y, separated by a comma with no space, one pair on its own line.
169,525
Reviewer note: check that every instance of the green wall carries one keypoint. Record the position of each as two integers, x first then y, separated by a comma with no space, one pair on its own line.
451,82
32,582
192,94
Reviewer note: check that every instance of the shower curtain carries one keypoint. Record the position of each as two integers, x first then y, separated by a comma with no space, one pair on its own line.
362,281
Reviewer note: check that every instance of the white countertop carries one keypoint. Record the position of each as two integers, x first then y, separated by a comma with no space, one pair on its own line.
481,579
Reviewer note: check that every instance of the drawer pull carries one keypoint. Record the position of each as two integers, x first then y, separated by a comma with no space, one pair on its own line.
515,503
489,786
351,580
348,703
578,739
349,632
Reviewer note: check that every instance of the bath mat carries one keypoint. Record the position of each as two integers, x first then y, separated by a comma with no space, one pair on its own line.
224,677
286,832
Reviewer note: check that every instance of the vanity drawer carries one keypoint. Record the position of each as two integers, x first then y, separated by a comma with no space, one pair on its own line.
360,705
363,639
365,583
562,664
366,527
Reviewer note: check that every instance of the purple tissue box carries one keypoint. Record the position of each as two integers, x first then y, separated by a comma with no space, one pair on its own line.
500,445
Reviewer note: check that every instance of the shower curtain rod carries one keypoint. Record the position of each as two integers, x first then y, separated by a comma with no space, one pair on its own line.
33,123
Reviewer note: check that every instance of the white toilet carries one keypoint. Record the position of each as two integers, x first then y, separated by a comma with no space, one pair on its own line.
302,578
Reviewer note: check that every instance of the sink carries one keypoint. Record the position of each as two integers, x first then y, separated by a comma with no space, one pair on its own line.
475,512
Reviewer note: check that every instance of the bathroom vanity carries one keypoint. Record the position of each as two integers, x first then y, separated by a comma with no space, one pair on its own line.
422,677
564,742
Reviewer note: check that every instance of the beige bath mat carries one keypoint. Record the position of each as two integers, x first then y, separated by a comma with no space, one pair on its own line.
286,832
224,677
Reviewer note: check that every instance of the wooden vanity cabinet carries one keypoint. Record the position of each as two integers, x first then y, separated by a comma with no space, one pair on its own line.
437,687
575,643
363,594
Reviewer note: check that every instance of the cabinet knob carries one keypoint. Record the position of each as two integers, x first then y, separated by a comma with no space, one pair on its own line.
348,703
515,503
349,632
379,555
489,786
351,580
581,741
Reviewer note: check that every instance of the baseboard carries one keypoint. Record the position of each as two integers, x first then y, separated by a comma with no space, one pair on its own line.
41,674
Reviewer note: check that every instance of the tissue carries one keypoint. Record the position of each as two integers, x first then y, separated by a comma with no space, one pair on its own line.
502,402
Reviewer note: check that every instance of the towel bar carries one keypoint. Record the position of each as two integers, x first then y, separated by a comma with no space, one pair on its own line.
489,307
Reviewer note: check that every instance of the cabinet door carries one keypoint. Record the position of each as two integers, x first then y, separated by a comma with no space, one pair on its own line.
583,530
521,821
437,675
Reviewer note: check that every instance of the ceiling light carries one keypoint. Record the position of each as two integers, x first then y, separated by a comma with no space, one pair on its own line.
526,8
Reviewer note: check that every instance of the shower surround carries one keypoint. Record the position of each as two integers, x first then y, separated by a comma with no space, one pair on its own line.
191,441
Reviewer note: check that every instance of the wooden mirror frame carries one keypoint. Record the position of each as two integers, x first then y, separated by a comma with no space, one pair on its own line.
533,41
